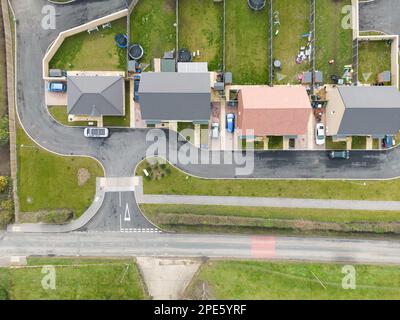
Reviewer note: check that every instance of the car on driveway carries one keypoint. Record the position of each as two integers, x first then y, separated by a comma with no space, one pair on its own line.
320,134
230,122
57,87
215,130
344,155
96,132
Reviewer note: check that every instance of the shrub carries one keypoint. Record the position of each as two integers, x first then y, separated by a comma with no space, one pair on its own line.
6,213
4,131
3,183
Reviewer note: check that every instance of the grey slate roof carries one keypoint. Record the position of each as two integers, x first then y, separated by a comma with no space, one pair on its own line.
175,96
96,95
370,111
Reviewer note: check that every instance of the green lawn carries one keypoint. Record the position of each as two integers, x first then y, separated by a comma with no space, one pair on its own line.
256,280
180,183
294,17
92,52
339,145
374,57
246,43
121,121
50,182
75,280
229,219
332,40
201,28
152,26
359,143
59,113
275,143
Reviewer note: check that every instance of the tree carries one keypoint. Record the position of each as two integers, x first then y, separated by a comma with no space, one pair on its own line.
3,183
4,132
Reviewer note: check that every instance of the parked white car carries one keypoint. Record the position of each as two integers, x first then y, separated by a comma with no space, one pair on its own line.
96,132
320,134
215,130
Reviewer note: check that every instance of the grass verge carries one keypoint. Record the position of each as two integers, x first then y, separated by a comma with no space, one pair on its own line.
254,280
75,280
246,43
92,52
229,219
177,182
49,182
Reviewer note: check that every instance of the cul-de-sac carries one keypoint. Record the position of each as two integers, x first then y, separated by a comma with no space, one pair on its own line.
199,149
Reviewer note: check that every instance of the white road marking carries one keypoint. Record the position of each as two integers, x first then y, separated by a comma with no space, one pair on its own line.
127,213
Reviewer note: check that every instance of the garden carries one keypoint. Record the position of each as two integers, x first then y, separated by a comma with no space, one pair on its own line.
95,51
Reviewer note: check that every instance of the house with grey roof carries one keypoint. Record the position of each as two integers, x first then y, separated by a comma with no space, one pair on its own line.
96,96
363,111
174,96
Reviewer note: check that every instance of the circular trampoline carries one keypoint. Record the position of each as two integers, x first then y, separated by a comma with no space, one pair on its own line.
256,4
184,55
136,51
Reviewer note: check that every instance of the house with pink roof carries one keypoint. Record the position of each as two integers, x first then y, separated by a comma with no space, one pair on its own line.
283,111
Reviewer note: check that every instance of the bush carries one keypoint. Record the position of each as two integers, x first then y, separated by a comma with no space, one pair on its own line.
3,184
4,131
6,213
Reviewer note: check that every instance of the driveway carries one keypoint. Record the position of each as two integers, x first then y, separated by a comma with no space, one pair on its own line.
380,15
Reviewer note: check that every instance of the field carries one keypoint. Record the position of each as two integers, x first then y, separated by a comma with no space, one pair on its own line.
50,182
246,43
76,279
252,280
92,52
152,26
201,28
294,18
373,58
333,37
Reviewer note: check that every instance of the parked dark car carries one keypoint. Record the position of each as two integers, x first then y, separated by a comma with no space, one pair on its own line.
345,155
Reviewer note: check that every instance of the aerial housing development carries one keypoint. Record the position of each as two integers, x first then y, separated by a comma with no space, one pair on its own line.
199,150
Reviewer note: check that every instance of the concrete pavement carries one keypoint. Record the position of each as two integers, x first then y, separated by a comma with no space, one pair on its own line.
272,202
214,246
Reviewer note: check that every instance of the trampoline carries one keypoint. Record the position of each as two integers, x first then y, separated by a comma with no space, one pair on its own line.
256,4
136,51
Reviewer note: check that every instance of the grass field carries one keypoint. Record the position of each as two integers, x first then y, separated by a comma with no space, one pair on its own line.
294,17
75,280
333,38
201,28
49,182
252,280
246,43
152,26
229,219
92,52
373,58
180,183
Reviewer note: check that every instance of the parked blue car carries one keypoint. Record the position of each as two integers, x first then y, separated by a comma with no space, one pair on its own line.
230,122
57,87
